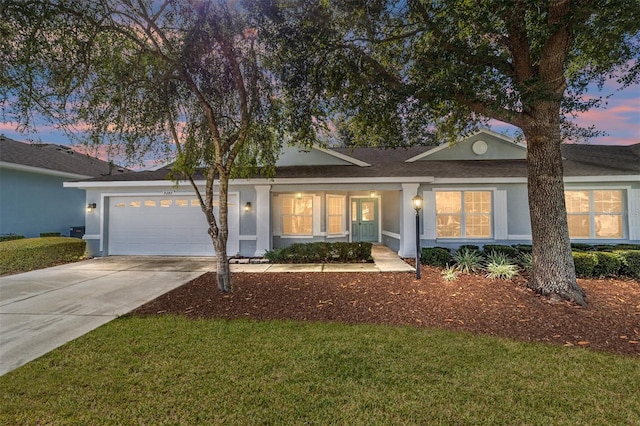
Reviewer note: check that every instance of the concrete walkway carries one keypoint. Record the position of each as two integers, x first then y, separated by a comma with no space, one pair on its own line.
41,310
384,260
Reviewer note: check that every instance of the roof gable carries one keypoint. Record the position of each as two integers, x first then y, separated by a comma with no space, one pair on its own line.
315,156
52,158
483,145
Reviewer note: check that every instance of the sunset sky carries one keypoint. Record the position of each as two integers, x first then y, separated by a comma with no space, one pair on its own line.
620,119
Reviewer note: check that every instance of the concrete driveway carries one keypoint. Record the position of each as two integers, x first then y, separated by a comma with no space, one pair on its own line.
41,310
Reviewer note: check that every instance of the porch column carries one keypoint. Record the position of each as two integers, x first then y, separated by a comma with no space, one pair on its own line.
263,219
408,220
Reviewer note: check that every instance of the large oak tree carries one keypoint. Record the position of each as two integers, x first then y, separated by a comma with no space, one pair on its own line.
176,77
411,71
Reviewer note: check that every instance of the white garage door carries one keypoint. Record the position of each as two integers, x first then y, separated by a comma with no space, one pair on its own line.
165,225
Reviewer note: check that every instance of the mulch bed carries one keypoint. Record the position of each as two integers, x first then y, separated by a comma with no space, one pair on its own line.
475,304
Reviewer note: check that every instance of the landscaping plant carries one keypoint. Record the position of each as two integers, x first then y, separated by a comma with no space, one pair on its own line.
435,256
468,261
449,273
500,266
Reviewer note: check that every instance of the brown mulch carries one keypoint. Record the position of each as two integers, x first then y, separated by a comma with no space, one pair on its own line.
475,304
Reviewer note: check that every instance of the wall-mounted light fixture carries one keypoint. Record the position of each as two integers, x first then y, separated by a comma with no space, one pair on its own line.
91,207
372,194
299,195
247,206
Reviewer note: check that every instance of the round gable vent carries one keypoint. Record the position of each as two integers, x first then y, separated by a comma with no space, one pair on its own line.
479,147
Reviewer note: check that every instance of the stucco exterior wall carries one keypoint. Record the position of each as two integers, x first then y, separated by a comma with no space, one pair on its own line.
32,203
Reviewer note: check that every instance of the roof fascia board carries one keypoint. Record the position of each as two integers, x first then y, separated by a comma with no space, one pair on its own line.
523,179
264,181
343,157
432,151
39,170
352,180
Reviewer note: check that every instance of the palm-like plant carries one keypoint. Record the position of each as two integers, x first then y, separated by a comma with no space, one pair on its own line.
468,261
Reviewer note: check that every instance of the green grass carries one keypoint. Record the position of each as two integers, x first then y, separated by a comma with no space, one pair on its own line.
170,370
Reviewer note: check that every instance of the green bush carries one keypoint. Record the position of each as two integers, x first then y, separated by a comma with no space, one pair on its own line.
625,247
11,237
49,234
581,247
607,265
435,256
470,247
524,248
630,263
509,251
321,252
36,253
585,263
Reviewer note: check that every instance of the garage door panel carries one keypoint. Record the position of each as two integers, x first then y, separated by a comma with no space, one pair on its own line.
163,225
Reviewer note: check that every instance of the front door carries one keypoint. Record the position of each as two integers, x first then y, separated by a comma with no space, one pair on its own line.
364,219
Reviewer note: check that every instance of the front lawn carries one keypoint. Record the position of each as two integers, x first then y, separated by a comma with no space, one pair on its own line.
172,370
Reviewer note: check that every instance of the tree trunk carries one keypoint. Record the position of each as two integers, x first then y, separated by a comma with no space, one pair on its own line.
224,272
220,242
553,272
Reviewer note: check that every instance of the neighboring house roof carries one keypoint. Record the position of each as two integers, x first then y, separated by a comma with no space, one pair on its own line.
373,163
53,158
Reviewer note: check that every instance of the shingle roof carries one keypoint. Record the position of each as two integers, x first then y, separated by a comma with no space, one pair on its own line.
59,158
613,156
579,161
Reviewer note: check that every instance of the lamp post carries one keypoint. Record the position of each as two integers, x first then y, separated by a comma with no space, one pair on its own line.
417,205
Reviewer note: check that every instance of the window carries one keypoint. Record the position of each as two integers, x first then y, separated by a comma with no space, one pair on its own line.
165,203
297,215
149,203
335,215
594,213
182,203
135,203
463,214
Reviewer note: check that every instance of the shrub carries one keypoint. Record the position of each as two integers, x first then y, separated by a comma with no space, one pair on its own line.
321,252
581,247
500,266
435,256
630,263
449,273
509,251
524,248
35,253
49,234
526,261
11,237
627,247
468,261
469,247
607,265
584,263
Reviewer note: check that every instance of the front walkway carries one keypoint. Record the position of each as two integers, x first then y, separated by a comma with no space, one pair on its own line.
384,260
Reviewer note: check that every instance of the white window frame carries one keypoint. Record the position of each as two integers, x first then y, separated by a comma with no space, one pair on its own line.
343,216
282,214
463,215
592,214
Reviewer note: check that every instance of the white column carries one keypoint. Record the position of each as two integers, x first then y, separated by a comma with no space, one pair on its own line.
408,220
263,219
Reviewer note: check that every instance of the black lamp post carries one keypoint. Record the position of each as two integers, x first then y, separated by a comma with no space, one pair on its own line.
417,204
